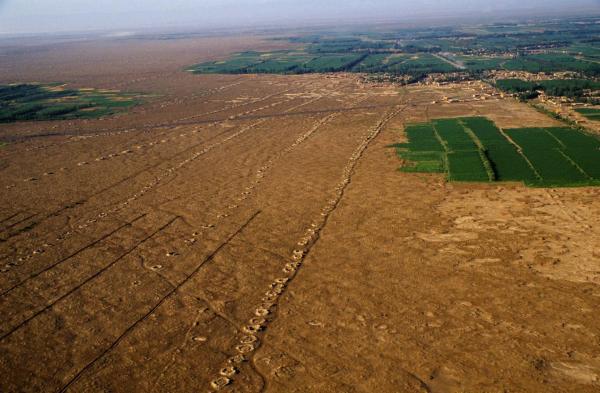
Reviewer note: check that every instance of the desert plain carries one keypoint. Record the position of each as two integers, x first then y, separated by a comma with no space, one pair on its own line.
253,233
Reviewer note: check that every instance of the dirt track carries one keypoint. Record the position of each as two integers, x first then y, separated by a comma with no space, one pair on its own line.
143,252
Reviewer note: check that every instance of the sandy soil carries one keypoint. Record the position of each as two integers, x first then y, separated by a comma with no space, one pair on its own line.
254,231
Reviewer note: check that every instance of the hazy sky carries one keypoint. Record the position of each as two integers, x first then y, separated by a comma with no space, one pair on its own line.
24,16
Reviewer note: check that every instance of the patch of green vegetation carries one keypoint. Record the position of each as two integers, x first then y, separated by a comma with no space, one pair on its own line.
332,56
21,102
333,62
467,165
372,63
479,63
585,50
548,157
420,63
424,162
573,88
474,149
552,62
590,113
272,66
424,152
506,162
583,149
347,44
282,63
466,160
536,46
453,135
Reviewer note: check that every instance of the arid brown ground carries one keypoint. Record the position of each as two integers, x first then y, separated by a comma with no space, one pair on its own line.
139,250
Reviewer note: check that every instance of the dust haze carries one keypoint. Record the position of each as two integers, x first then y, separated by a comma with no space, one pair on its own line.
85,15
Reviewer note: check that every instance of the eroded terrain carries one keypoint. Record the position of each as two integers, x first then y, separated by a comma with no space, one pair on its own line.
264,216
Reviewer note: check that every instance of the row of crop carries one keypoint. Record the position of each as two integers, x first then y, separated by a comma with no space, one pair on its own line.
507,163
422,137
544,152
467,159
281,63
549,156
474,149
453,134
467,165
583,149
445,146
424,152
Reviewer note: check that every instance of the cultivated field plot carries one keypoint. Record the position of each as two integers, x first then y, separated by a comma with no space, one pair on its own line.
481,63
418,52
284,62
20,102
572,88
311,61
474,149
589,113
305,62
551,62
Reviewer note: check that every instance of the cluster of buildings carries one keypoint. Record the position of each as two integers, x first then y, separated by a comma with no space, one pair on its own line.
528,76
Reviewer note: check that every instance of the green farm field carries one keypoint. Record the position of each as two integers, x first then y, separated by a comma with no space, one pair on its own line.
25,102
573,88
302,62
589,113
374,61
473,149
538,47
